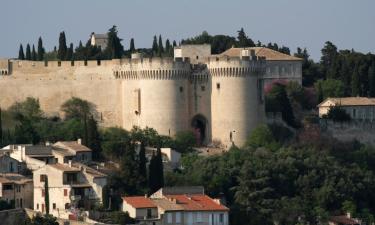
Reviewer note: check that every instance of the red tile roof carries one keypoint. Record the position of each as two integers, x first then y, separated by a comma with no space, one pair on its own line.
197,202
139,202
343,220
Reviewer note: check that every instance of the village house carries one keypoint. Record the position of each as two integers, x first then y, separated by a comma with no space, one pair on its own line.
359,108
99,40
176,205
71,186
17,190
8,164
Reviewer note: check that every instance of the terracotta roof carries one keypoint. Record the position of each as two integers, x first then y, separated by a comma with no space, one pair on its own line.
167,205
65,168
269,54
196,202
72,145
350,101
343,220
139,202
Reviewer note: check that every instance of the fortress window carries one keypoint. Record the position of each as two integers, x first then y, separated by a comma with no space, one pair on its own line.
45,63
217,85
59,63
85,62
181,89
71,63
98,62
203,88
197,57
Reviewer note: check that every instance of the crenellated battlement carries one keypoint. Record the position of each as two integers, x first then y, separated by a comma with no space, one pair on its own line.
235,66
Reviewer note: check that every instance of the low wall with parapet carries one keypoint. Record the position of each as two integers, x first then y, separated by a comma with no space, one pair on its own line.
363,131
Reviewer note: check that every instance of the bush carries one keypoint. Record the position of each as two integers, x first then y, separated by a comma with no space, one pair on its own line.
337,114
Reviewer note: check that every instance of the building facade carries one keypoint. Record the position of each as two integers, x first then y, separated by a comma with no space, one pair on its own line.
176,206
17,190
218,97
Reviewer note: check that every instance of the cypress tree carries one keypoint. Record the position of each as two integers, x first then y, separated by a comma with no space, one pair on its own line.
28,52
159,169
85,131
160,47
152,174
69,55
142,163
46,194
168,47
114,49
21,55
93,137
155,46
174,44
1,129
243,40
132,46
61,53
355,82
371,78
33,54
40,49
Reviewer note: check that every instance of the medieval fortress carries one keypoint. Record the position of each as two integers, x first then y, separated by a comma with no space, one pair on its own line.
219,97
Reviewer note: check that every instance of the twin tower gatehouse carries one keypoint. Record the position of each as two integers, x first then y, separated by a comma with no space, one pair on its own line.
218,97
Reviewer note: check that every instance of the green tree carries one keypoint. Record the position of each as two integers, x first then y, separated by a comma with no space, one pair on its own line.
168,48
336,113
243,40
63,49
46,194
262,136
142,164
155,48
184,141
371,78
21,55
160,47
114,49
41,50
156,172
355,82
132,46
329,54
330,88
42,220
174,43
28,52
77,108
69,54
93,138
113,141
33,54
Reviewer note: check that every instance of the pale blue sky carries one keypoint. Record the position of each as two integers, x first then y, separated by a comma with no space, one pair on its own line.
347,23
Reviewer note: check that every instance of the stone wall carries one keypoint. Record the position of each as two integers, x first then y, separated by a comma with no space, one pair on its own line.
363,131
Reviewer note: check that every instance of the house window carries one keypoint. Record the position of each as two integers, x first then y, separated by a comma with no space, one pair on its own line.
42,178
221,218
72,63
85,62
11,167
37,206
21,203
217,85
354,113
54,205
169,217
181,89
178,217
203,88
65,192
59,63
98,62
149,213
199,217
43,193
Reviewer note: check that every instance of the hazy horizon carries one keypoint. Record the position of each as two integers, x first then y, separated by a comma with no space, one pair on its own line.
292,23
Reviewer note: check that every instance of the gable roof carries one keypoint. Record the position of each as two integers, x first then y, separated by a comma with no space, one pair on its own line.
14,178
196,202
269,54
72,145
349,101
100,36
64,168
139,202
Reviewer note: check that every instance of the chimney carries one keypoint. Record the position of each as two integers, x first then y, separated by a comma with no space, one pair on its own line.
79,141
70,163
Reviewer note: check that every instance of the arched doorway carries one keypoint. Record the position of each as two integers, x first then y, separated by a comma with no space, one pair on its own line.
199,125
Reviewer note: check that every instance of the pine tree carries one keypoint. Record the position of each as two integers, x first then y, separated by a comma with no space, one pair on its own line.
371,78
155,46
114,49
69,55
33,54
28,52
243,40
21,55
142,163
61,53
132,46
40,49
160,47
